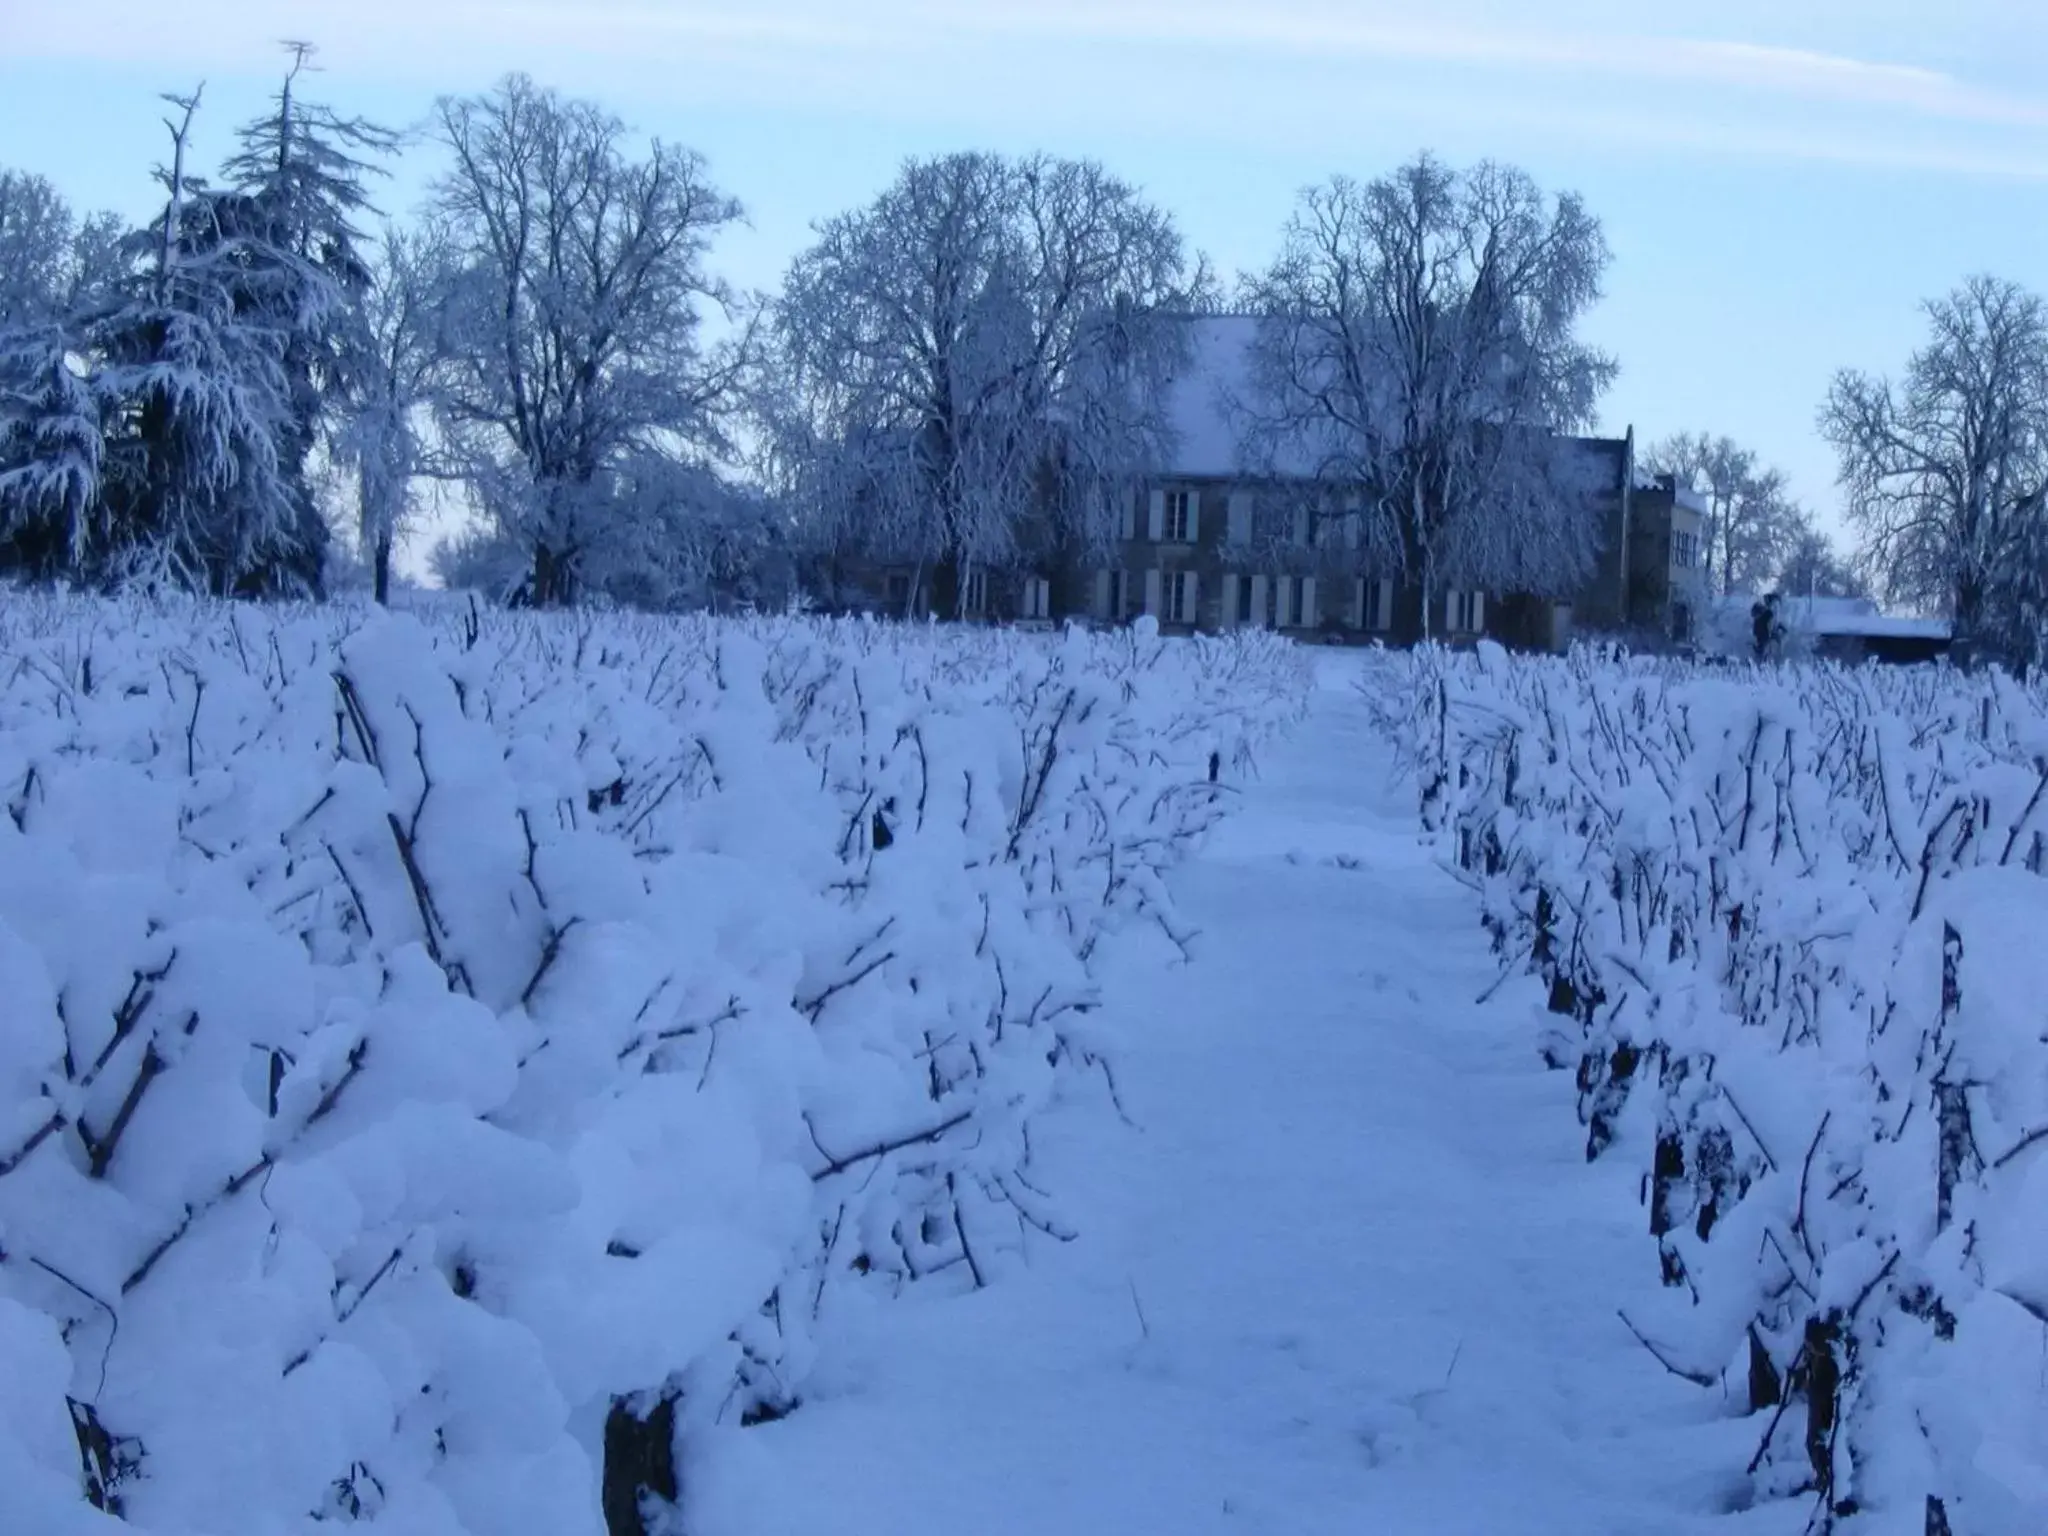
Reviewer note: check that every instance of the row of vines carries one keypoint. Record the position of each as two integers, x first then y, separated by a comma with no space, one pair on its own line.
451,1061
1793,928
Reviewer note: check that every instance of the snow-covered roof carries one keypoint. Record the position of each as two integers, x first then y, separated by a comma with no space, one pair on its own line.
1209,407
1846,617
1205,399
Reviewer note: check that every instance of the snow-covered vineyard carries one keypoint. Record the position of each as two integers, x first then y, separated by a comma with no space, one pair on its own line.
1792,926
481,1074
444,1056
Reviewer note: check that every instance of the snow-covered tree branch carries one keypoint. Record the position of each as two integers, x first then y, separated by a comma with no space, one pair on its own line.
969,369
1751,522
577,361
1419,340
1946,470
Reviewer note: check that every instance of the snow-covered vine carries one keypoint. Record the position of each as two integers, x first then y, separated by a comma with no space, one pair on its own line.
1791,925
450,1060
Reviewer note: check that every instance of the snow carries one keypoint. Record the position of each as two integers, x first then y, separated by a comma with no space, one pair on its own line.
1831,616
1352,1272
1781,910
427,1033
1004,1082
1203,399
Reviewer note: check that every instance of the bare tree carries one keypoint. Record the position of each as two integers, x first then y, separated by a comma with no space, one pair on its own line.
392,391
36,243
1814,567
1946,471
984,343
51,263
576,317
1752,523
1419,340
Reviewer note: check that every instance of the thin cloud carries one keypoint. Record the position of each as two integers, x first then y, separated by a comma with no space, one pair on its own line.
761,47
1790,72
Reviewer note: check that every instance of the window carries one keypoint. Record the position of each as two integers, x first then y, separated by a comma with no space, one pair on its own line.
974,596
1037,598
1177,597
1175,524
1245,591
1466,612
1685,550
1286,601
1375,604
898,592
1119,588
1340,527
1238,518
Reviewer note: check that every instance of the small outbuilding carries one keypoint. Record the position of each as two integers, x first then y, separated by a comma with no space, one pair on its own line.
1852,629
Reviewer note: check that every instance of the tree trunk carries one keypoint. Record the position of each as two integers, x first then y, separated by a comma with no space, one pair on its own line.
551,581
639,1464
949,584
1969,617
380,570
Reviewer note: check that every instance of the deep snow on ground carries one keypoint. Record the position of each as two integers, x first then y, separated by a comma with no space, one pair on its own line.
1347,1271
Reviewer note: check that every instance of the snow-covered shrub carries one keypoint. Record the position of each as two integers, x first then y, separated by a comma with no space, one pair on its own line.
1791,924
451,1058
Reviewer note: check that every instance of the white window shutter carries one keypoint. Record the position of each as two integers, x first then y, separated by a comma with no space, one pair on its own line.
1128,529
1478,613
1310,616
1260,613
1301,526
1191,597
1228,618
1155,527
1102,596
1240,517
1450,609
1195,516
1357,618
1384,619
1153,590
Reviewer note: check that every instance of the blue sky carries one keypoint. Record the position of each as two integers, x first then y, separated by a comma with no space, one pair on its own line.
1782,183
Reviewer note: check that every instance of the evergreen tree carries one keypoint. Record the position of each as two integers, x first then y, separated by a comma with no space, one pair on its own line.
195,401
49,453
297,186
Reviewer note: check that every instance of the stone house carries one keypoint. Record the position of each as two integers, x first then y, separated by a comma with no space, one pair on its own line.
1667,591
1204,545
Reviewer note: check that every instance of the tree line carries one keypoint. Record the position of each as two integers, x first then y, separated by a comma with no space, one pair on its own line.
969,370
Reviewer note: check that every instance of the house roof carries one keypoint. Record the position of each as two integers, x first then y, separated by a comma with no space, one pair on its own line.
1205,399
1856,616
1845,617
1208,399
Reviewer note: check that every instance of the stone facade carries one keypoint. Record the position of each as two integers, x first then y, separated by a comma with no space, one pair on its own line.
1204,546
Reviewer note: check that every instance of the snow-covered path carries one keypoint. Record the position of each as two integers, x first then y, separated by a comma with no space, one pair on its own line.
1349,1273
